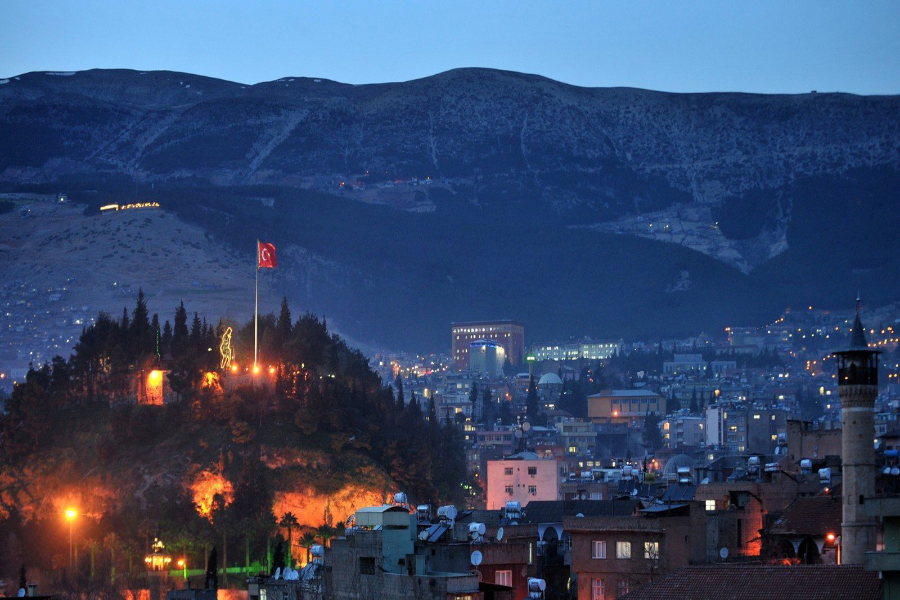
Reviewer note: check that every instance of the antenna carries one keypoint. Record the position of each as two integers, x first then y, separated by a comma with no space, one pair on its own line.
476,558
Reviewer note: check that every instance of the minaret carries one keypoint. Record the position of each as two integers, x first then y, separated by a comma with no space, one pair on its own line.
858,387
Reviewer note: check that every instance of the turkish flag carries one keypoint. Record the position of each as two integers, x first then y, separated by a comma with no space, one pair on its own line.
266,256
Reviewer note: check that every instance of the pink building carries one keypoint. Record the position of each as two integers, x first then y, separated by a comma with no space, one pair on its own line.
521,478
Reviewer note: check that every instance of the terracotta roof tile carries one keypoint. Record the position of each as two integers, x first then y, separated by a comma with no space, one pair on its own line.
752,582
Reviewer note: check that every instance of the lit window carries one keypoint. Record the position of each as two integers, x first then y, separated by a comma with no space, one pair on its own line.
597,589
503,578
710,506
598,549
651,550
623,549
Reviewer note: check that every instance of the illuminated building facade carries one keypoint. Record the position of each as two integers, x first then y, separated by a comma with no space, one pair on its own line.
622,406
521,478
510,335
585,350
487,358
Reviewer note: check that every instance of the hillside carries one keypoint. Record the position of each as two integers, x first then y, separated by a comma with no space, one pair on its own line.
491,194
315,435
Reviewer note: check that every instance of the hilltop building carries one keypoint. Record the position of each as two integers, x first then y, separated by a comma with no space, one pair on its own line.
583,350
510,335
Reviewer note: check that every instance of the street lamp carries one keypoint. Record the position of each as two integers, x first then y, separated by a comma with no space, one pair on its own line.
71,513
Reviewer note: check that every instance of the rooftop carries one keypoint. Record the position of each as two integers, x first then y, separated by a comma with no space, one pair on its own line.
751,582
813,515
625,393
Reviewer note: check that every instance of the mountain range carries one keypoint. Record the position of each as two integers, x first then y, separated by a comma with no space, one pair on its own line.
475,194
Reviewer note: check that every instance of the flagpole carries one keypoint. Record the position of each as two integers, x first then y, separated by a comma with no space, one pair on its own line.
256,316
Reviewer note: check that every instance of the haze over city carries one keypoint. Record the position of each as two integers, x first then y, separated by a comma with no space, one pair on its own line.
572,301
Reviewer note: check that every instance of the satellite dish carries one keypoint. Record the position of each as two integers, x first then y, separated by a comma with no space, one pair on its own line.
634,492
705,481
423,535
518,433
277,572
481,529
21,593
723,553
476,558
499,534
526,426
580,515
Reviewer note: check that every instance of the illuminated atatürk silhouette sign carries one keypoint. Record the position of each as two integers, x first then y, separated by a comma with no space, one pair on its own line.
226,350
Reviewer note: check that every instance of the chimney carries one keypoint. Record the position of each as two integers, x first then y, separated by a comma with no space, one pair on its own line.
857,387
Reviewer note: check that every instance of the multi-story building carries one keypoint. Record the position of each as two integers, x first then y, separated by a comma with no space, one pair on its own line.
624,406
487,358
381,557
522,477
744,429
683,430
578,436
583,350
685,364
612,556
508,334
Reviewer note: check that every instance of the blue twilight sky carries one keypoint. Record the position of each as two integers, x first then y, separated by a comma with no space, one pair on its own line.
683,45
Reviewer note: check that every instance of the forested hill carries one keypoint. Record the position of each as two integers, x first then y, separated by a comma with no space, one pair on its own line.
221,461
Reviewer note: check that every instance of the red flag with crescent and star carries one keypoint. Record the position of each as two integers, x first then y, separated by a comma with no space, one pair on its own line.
266,256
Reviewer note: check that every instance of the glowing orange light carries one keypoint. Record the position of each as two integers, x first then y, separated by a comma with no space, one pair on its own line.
271,370
154,375
71,513
255,369
830,537
234,368
180,563
615,413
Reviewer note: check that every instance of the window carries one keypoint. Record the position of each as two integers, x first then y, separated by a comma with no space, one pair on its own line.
596,495
651,550
623,549
366,565
710,506
573,449
598,549
532,489
503,578
509,490
597,589
623,587
532,470
507,471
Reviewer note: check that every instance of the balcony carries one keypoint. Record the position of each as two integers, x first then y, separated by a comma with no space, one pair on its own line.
883,561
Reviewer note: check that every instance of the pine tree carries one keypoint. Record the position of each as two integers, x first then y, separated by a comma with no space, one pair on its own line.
693,407
141,339
166,340
531,401
180,332
488,407
651,434
283,326
398,382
